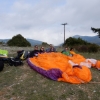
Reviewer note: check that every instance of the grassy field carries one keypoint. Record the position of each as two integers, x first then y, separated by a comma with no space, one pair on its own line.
23,83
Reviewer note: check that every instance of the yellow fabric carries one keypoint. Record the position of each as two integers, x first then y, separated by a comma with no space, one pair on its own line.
22,57
72,52
58,60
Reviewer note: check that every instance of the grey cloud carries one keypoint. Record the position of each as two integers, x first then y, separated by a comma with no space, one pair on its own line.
46,16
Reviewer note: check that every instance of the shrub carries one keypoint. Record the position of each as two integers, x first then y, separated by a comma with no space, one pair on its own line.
19,41
93,48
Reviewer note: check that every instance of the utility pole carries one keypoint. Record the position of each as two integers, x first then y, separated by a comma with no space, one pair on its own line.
64,30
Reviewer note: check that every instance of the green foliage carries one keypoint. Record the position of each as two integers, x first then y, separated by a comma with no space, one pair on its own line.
87,48
0,42
74,42
45,44
81,45
82,48
93,48
96,30
19,41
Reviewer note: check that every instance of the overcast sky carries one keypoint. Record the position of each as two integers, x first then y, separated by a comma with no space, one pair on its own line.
42,19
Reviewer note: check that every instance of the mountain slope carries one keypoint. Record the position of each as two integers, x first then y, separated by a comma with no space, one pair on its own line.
91,39
33,42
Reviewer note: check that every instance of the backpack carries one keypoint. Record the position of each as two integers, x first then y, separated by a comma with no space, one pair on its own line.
14,62
22,54
25,55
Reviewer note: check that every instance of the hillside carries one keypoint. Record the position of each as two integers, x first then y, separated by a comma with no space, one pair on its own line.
91,39
33,42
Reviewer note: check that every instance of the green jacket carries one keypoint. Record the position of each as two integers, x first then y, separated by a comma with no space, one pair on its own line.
66,53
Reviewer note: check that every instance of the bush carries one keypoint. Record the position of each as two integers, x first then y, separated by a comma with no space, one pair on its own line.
82,48
87,48
19,41
81,45
93,48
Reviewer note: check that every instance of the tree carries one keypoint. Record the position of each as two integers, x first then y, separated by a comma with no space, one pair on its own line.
96,30
45,44
81,45
19,41
74,41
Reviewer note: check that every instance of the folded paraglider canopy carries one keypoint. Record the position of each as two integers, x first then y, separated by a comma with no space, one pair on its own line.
59,67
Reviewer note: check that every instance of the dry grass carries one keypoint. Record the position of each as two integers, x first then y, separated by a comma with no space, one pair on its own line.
23,83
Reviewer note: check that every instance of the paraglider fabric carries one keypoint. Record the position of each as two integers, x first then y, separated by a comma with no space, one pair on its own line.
59,67
3,53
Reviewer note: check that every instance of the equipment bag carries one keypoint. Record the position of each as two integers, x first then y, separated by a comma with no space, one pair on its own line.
22,54
14,62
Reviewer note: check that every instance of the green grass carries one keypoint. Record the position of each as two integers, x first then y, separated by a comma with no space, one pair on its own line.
23,83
